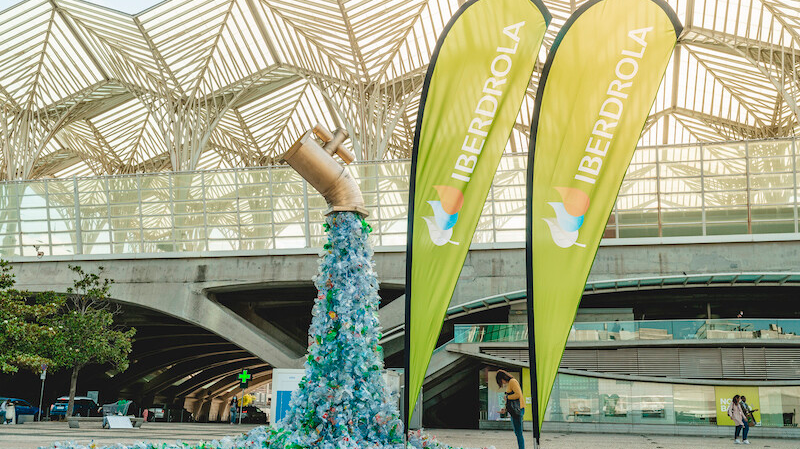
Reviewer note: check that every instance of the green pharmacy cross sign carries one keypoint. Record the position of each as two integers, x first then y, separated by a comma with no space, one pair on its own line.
244,378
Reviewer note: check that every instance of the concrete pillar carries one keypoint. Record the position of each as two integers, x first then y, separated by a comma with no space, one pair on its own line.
518,313
216,409
191,404
203,414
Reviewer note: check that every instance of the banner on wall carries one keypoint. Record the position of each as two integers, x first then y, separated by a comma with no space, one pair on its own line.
526,393
473,90
597,88
724,396
284,382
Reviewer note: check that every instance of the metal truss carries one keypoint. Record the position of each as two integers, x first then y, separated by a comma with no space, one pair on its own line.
199,84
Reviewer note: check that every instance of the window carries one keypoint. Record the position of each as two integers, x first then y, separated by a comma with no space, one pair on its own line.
694,404
779,406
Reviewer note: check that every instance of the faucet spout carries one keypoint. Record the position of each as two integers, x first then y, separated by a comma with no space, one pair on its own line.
316,165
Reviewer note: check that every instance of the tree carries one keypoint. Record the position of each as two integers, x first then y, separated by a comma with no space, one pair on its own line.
24,331
85,332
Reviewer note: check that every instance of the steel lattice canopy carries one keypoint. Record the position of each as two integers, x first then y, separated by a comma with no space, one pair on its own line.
196,84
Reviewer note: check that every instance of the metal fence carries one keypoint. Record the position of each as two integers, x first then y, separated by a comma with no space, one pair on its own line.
704,190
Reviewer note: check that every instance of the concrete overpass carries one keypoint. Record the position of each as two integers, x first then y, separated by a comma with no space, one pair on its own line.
245,298
198,288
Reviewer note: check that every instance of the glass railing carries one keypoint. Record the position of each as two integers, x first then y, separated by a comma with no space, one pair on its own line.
698,191
717,329
490,333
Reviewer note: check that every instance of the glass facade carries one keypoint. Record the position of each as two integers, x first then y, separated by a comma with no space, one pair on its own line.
779,406
694,404
717,329
589,399
680,191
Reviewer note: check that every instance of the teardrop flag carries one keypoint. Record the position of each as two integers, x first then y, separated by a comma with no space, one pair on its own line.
597,87
476,80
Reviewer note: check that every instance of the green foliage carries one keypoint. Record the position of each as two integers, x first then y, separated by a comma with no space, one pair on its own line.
24,324
60,330
89,337
86,331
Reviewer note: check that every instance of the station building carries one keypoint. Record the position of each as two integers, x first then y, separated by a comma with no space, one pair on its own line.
147,142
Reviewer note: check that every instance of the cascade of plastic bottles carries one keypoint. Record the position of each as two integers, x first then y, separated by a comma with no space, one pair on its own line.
343,401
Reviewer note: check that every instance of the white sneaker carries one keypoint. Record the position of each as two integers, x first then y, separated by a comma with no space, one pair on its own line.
737,442
746,442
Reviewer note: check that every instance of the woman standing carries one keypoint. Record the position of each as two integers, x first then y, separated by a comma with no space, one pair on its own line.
234,406
11,413
739,419
513,403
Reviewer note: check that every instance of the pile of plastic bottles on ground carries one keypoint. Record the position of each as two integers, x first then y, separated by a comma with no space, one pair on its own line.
343,401
260,437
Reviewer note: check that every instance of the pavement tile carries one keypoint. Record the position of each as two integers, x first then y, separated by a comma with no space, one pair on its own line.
33,435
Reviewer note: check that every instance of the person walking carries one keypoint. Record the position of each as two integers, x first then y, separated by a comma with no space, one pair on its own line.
748,412
513,403
739,420
234,406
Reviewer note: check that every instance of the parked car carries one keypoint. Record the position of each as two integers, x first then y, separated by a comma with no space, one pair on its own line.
253,415
84,406
156,413
22,407
169,413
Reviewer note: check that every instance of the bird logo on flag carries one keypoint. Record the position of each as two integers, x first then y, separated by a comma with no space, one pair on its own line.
569,216
445,215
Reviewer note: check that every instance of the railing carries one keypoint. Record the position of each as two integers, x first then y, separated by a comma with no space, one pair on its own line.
672,192
717,329
490,333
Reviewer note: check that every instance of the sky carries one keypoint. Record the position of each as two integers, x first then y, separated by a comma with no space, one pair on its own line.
128,6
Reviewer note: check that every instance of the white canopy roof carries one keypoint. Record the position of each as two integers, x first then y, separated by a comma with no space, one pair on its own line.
194,84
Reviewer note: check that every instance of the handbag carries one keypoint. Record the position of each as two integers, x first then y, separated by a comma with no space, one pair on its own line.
513,406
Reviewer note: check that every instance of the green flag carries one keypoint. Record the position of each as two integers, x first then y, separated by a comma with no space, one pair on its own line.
473,90
598,85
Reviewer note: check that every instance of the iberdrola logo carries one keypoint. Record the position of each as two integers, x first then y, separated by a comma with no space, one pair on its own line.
445,214
569,216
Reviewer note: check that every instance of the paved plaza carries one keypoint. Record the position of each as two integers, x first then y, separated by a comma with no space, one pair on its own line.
33,435
506,440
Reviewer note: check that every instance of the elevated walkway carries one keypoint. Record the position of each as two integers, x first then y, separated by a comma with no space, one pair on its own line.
712,349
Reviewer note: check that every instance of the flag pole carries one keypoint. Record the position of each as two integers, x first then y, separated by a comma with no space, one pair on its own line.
407,372
529,292
534,384
529,252
409,252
